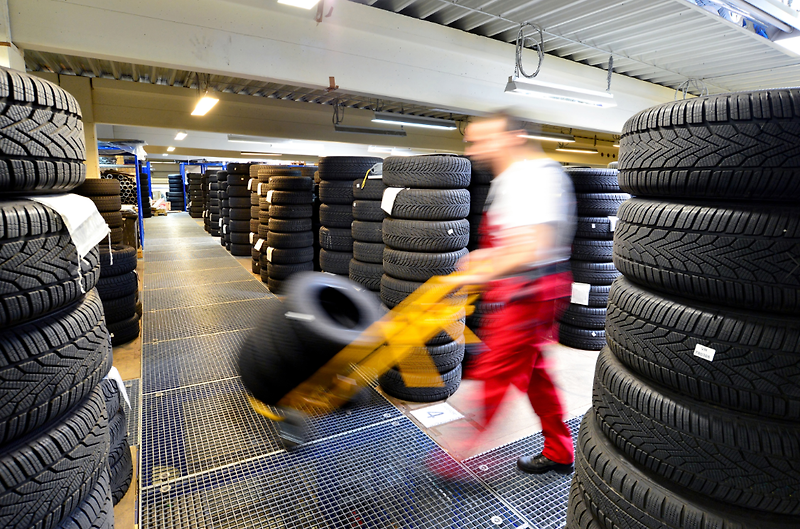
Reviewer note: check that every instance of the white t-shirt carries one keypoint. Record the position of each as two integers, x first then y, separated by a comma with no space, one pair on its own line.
534,192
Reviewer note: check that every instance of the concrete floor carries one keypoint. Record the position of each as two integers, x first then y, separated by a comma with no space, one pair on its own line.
572,371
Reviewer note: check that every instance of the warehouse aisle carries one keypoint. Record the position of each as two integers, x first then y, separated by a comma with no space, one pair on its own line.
208,460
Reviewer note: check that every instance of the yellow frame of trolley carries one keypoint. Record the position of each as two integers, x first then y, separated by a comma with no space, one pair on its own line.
386,343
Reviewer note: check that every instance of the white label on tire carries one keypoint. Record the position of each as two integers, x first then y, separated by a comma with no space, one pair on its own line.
706,353
269,254
613,222
269,196
594,225
251,183
450,231
252,236
225,229
259,243
220,222
580,294
389,196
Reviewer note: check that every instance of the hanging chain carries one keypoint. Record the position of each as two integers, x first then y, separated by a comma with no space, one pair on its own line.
538,46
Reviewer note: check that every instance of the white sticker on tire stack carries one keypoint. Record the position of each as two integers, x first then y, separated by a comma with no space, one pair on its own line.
580,294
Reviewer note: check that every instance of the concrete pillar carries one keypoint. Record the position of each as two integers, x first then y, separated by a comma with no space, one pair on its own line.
10,55
81,89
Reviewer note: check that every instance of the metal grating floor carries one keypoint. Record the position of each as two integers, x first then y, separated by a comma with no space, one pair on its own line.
134,389
208,460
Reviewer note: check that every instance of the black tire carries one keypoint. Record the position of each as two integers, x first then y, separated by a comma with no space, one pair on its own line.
283,271
50,364
335,262
263,231
368,210
97,187
367,231
291,183
48,474
392,384
240,214
584,317
372,189
594,228
238,168
620,494
107,204
255,266
121,473
426,236
599,204
368,252
593,180
124,331
427,172
113,218
116,235
239,202
42,136
336,216
367,274
754,367
38,262
445,357
239,250
394,291
113,287
124,260
290,198
336,192
291,212
345,167
120,308
286,256
254,211
335,239
112,396
96,511
431,204
276,286
727,146
593,251
265,172
748,461
289,225
593,273
577,338
740,255
477,199
417,266
241,238
290,240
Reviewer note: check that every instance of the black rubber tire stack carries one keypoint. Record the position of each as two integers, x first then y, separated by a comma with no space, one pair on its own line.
144,191
214,225
255,222
288,248
598,198
224,208
176,196
104,192
204,183
315,224
54,346
426,233
237,238
366,267
336,175
195,192
119,461
696,402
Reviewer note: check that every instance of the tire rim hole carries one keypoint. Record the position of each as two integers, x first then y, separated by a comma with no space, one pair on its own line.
339,307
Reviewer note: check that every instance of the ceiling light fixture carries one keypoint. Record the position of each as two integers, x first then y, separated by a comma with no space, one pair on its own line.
205,104
576,150
379,149
240,138
170,149
368,130
303,4
165,154
414,121
180,135
556,92
261,154
549,136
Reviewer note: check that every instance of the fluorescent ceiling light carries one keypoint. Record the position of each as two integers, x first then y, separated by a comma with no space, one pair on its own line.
261,154
165,154
378,148
170,149
181,135
239,138
414,121
577,150
205,104
549,136
791,44
368,130
555,92
304,4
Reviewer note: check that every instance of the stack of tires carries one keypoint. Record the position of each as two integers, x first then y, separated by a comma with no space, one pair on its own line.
54,345
598,198
366,267
224,208
213,215
426,234
204,181
105,193
144,191
696,403
289,238
336,175
237,237
120,463
176,195
315,224
255,222
195,192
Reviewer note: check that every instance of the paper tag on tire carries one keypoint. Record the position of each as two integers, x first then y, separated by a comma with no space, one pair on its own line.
706,353
613,222
251,183
389,196
257,246
269,254
269,196
252,236
580,294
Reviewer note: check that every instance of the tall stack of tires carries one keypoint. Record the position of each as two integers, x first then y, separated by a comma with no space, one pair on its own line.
289,245
224,208
696,403
118,285
176,194
119,462
214,225
144,191
366,267
255,221
315,224
426,233
336,175
54,345
195,192
204,183
598,198
238,234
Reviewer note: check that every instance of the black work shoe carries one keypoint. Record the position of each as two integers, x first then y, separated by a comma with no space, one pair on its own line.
539,465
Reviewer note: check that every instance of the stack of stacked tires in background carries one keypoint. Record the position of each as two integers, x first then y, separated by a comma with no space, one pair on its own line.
118,285
255,222
213,204
598,198
426,233
224,207
696,403
366,267
336,175
289,244
195,192
54,345
237,238
176,196
144,191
